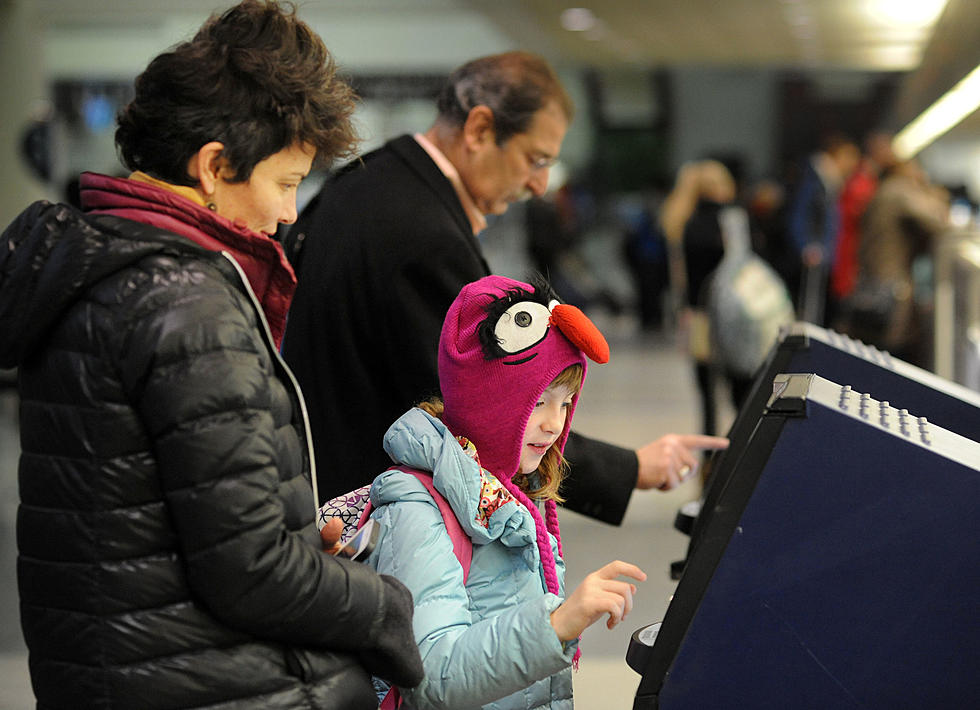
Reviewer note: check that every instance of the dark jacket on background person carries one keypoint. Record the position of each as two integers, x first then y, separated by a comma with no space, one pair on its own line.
168,556
381,252
703,250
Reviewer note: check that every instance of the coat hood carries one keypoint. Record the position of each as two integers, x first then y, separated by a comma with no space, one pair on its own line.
51,255
419,440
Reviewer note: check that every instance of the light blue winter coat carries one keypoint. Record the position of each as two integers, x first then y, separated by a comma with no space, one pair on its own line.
489,644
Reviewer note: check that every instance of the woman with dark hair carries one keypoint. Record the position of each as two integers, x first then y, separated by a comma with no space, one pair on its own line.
168,555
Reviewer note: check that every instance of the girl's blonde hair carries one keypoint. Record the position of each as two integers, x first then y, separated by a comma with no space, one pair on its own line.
553,467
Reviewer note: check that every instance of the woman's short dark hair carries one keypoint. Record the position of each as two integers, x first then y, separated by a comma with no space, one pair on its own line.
514,85
255,78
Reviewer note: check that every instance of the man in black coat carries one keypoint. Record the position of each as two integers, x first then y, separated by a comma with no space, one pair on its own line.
385,247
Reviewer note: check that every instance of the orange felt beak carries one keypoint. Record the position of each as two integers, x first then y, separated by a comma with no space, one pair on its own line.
581,331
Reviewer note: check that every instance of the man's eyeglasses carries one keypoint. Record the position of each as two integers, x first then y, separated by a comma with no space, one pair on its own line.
542,163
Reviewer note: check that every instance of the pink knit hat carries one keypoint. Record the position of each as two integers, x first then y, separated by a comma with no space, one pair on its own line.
502,344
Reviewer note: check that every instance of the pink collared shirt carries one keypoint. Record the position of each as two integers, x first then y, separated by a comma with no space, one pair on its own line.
478,221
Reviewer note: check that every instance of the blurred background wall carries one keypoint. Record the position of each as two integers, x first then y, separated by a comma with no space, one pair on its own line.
657,83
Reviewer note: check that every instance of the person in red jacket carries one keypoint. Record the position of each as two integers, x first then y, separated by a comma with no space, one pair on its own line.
168,552
857,192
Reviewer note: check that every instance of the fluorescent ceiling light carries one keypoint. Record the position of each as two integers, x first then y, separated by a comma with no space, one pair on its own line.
578,19
905,13
898,30
955,105
888,56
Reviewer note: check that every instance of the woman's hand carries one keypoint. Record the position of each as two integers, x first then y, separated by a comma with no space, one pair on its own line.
330,535
599,593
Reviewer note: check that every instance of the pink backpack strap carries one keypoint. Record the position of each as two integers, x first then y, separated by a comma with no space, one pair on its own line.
392,700
462,545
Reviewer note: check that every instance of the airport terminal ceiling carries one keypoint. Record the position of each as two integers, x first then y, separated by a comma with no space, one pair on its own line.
885,35
933,40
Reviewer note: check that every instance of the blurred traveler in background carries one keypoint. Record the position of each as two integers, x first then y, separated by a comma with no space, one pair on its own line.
813,219
766,207
887,308
705,188
646,254
854,198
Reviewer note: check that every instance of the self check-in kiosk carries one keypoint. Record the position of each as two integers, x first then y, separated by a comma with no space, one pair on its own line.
839,567
803,347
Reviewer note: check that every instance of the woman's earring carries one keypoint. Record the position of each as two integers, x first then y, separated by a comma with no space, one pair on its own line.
209,203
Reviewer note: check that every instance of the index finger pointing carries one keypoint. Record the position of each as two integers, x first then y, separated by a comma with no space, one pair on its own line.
702,441
627,569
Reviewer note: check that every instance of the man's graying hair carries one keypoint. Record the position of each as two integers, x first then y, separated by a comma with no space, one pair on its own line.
514,85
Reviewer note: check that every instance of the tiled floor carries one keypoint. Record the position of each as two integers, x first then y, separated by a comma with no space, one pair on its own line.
646,390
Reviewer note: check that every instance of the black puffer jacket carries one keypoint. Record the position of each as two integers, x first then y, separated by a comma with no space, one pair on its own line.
168,556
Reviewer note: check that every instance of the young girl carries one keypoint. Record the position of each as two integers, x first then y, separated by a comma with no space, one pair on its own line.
511,364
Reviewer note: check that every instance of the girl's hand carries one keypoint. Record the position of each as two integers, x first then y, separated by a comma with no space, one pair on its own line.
599,593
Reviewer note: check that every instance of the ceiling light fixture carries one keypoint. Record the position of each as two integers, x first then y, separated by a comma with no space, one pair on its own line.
921,13
578,19
952,107
897,32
